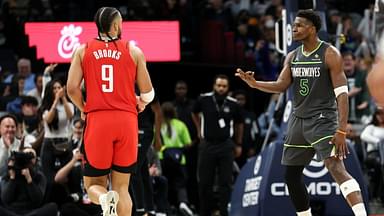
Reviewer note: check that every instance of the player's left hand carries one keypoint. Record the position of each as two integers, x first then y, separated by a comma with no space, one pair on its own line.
341,147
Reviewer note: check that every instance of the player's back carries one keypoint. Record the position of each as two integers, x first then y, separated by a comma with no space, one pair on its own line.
110,75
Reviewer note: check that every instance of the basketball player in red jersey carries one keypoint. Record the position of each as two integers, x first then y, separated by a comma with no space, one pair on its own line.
110,68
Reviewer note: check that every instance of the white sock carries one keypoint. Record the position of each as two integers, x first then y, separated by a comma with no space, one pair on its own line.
305,213
359,209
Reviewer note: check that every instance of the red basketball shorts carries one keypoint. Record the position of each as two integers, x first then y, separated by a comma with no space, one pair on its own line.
110,142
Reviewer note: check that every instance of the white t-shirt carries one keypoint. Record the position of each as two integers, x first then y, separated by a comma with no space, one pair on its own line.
64,129
372,135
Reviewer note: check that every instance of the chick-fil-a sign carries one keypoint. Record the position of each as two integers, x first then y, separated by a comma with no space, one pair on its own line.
56,41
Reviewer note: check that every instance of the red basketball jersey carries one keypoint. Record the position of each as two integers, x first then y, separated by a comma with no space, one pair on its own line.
110,75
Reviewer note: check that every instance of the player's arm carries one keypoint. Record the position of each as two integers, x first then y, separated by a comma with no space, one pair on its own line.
375,78
339,81
142,76
156,109
334,62
75,77
280,85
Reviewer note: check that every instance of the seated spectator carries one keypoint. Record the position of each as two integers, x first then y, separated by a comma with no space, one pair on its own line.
23,187
373,136
8,140
24,70
11,100
160,184
77,133
75,201
38,90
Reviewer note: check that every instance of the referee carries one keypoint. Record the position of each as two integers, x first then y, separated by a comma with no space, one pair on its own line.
217,118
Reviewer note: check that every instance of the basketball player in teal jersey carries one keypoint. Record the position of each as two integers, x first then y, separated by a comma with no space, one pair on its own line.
320,111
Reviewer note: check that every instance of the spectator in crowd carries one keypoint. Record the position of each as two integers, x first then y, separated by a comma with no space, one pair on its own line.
184,106
37,92
373,136
159,183
12,94
251,143
221,116
8,140
23,187
24,70
77,133
176,138
75,199
56,112
358,92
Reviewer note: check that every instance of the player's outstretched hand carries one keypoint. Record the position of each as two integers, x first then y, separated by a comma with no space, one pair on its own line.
247,77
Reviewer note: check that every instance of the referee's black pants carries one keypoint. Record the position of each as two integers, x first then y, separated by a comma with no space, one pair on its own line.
215,157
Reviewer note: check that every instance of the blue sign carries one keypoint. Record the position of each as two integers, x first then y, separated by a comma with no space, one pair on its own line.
260,188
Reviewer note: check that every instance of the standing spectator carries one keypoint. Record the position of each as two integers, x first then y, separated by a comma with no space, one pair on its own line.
24,70
220,117
110,148
8,140
149,131
57,113
175,137
23,188
184,107
358,91
251,143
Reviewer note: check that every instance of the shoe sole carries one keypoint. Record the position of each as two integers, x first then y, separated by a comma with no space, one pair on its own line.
111,200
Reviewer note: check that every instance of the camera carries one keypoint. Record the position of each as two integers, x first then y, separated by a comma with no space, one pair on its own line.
21,160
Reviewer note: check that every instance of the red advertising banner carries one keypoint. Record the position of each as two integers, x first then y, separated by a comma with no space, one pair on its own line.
56,41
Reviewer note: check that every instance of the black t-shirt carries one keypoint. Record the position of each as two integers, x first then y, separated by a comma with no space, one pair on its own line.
218,117
184,111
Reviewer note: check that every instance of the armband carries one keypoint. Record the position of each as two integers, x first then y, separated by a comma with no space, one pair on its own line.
341,89
147,97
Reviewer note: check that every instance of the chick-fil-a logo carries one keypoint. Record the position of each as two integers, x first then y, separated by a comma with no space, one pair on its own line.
55,42
69,40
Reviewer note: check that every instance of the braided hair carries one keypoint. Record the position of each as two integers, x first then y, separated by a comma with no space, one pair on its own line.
104,18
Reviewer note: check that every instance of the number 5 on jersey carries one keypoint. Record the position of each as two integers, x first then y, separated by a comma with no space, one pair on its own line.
107,76
304,89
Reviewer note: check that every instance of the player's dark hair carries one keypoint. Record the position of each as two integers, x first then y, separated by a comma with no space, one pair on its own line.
312,16
104,18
